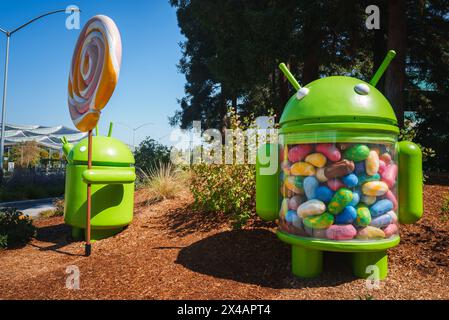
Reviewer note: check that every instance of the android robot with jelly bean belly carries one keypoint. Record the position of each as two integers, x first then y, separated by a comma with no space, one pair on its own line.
112,178
343,182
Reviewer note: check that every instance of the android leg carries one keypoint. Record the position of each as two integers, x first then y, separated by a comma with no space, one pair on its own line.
370,264
306,263
77,233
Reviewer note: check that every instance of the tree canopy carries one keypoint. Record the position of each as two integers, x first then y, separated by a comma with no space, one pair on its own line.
233,48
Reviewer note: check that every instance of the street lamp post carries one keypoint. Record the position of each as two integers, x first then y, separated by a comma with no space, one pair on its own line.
134,130
8,35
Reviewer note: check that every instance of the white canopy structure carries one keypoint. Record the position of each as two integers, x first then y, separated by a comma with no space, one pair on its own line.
45,136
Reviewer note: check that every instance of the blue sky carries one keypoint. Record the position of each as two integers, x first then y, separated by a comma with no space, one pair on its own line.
40,55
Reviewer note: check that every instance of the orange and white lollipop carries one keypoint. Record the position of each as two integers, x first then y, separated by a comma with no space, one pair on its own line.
94,71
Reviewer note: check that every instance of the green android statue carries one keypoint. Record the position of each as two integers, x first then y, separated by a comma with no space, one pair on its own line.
112,178
342,182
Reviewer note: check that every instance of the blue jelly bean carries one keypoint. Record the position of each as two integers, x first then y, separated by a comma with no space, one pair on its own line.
359,167
381,207
324,193
355,198
381,221
310,185
291,216
347,216
350,180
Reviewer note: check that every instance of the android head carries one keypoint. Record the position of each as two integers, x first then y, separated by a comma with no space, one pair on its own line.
112,178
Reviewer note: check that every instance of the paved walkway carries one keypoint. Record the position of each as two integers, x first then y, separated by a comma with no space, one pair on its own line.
31,207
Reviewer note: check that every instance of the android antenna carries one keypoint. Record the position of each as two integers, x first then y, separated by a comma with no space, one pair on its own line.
110,129
390,55
289,76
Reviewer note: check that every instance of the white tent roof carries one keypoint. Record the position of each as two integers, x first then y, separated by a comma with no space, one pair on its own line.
45,136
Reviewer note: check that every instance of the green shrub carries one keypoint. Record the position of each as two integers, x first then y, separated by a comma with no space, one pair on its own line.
16,229
225,188
150,153
58,211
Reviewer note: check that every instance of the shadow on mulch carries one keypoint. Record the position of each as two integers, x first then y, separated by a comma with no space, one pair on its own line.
58,234
185,220
257,256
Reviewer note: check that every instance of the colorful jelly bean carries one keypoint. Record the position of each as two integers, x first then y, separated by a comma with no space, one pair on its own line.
359,168
294,202
355,198
391,230
363,178
293,219
368,200
347,216
382,166
390,196
358,152
381,207
294,184
370,233
339,201
381,221
375,188
350,180
320,175
394,217
316,233
302,169
329,150
321,221
316,159
310,186
324,193
339,169
311,208
299,152
363,218
341,232
372,163
335,184
389,175
284,208
385,157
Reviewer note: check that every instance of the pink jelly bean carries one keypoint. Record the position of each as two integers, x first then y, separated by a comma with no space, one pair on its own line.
294,202
341,232
335,184
386,158
382,166
329,150
390,196
389,175
391,230
299,152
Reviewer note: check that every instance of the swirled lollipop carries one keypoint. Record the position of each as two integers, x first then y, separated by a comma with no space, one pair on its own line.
94,71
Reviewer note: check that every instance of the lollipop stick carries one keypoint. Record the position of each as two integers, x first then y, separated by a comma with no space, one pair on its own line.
89,198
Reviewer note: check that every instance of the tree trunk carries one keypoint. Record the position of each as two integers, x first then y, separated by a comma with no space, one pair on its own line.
283,94
380,43
397,40
312,43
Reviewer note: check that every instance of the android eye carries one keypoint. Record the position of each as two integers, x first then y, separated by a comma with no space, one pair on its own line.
362,88
83,148
302,93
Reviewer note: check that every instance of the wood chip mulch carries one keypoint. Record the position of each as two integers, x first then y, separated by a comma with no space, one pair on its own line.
172,252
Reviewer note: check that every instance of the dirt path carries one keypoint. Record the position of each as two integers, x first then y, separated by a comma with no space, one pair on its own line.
169,252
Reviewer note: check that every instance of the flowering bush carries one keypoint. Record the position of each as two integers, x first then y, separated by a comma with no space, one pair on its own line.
16,229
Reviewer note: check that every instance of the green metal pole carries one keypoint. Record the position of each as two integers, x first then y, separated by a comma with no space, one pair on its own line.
384,65
289,76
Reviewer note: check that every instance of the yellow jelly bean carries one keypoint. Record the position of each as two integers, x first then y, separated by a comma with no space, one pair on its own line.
302,169
375,188
372,163
320,175
316,159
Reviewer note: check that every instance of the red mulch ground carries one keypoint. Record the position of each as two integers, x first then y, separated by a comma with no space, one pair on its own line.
171,252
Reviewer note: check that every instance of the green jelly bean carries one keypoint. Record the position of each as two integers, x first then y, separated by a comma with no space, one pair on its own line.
321,221
366,178
339,201
358,152
363,218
